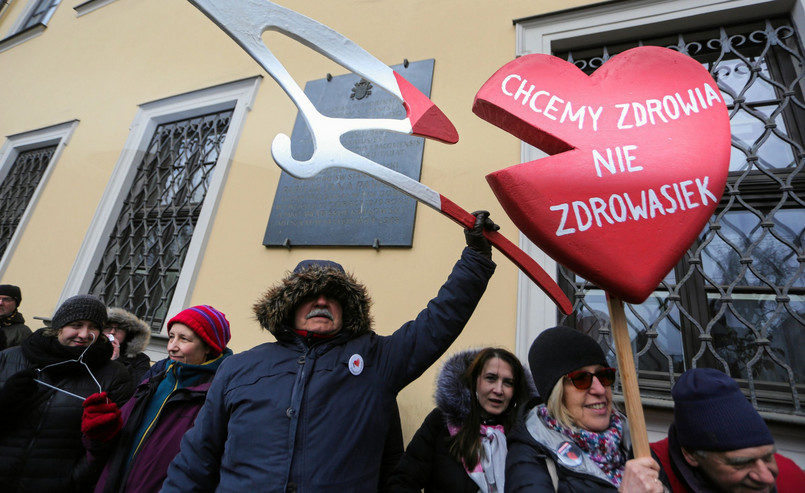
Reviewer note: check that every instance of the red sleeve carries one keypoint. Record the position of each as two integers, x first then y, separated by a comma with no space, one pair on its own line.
663,455
791,479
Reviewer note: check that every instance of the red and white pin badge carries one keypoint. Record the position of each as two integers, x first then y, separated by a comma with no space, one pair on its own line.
356,364
569,454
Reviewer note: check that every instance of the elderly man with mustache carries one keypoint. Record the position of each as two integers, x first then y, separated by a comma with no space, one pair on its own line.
311,411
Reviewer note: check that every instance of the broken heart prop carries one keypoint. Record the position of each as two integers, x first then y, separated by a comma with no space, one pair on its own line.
639,160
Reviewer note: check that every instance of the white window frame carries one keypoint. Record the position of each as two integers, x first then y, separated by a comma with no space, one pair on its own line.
604,23
15,36
58,135
240,95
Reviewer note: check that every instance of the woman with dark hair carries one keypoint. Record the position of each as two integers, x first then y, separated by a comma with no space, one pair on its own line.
461,446
59,397
577,441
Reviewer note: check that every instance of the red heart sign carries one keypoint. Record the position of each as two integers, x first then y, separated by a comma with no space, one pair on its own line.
639,159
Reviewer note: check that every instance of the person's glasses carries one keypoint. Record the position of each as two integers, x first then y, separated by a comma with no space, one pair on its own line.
582,380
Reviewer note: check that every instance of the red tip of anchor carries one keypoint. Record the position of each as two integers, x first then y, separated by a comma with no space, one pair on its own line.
427,120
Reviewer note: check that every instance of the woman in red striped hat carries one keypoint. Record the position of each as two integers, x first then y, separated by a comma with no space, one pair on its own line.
166,403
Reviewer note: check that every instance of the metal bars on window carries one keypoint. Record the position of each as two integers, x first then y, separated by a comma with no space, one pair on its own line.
18,187
736,301
148,244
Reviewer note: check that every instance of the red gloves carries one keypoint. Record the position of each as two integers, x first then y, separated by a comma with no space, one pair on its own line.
101,420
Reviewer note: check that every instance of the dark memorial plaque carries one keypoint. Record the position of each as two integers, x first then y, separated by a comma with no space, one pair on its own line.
340,207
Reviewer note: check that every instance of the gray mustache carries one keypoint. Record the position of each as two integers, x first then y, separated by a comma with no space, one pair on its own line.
319,312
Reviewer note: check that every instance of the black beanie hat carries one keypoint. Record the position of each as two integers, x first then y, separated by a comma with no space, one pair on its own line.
712,414
558,351
11,291
80,307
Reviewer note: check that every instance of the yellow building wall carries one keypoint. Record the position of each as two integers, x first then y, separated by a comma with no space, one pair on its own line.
98,67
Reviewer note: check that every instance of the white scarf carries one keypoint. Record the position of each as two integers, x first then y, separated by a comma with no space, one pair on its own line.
490,476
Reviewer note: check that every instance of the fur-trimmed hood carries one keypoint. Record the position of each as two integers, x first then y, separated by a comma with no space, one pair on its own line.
275,309
138,333
452,393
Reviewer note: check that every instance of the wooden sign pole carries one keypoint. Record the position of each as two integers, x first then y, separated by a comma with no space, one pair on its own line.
628,376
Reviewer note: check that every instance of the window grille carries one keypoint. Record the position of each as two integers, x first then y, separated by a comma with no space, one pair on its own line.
142,261
736,301
18,187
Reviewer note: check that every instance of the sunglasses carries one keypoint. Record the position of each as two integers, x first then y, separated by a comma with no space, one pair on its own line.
582,380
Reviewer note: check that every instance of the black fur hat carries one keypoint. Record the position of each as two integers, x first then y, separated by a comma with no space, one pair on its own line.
275,309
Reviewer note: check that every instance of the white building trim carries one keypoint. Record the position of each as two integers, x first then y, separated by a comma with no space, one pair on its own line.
90,6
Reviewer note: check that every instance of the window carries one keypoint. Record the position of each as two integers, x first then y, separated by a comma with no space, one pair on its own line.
18,187
736,301
26,161
145,244
31,23
39,13
147,247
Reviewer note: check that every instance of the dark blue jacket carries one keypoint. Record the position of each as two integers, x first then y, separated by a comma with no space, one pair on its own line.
288,416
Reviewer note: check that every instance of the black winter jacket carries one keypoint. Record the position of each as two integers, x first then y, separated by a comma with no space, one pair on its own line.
13,331
41,447
427,462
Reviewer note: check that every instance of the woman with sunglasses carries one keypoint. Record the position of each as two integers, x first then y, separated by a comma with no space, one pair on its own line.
576,441
59,398
461,446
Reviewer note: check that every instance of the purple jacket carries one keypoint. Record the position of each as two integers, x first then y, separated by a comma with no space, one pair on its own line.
148,468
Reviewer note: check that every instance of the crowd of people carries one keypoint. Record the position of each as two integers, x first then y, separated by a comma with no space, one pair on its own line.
83,408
